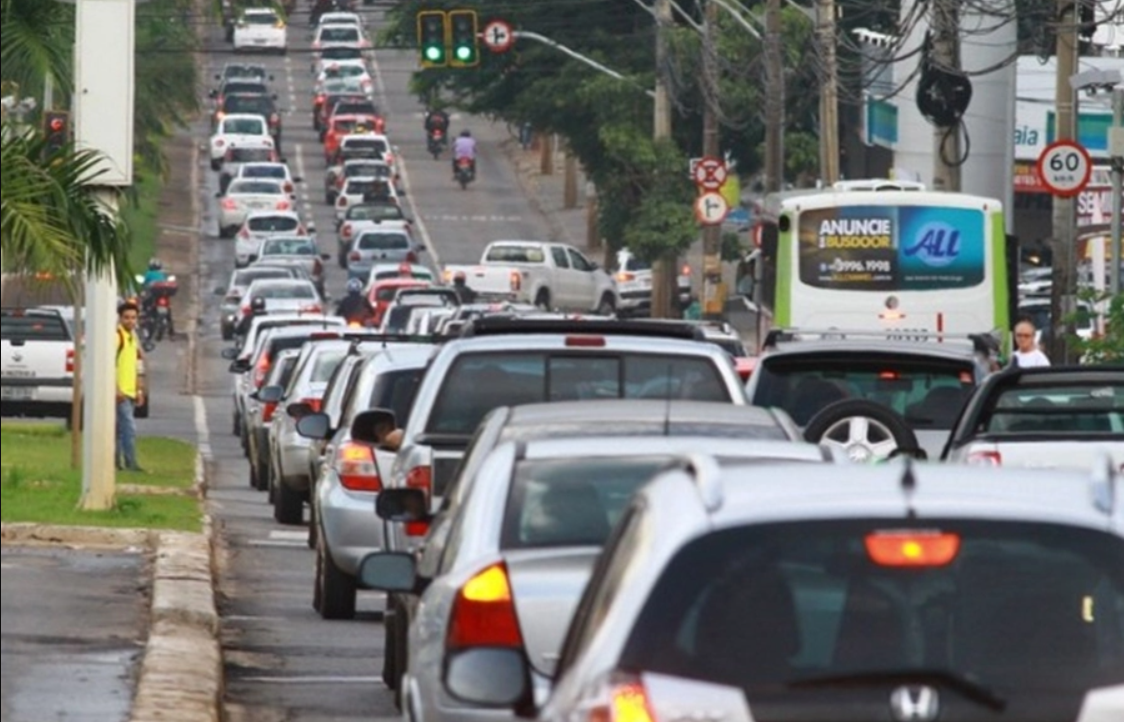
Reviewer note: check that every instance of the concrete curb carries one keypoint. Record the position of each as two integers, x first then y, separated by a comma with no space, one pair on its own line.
181,675
527,177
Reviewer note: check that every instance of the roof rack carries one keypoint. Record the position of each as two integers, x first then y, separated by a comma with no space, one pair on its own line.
982,343
504,325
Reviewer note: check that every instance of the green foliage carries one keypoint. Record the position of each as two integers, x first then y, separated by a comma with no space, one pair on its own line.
1109,347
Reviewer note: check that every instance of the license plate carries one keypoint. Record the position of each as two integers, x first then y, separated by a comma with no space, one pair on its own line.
17,393
18,374
645,283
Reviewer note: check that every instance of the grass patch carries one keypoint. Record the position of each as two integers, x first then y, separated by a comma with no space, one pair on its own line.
38,485
140,215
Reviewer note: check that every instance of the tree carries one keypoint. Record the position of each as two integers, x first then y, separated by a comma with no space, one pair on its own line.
1106,348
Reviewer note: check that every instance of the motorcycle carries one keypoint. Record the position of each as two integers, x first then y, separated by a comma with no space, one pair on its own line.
156,322
466,172
436,142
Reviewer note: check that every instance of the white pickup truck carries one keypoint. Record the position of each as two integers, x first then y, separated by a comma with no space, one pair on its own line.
36,363
549,275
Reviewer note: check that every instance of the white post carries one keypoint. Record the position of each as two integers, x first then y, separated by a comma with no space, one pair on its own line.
1117,191
103,115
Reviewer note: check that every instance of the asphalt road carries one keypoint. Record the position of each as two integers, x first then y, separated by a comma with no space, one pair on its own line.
72,630
282,661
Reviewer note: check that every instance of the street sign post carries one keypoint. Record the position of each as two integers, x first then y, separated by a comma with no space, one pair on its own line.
1065,168
709,173
711,208
498,36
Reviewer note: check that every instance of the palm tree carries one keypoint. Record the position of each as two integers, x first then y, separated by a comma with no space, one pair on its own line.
36,38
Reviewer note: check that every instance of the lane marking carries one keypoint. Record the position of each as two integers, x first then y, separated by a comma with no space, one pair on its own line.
427,241
316,680
5,565
253,618
202,430
276,543
289,535
474,219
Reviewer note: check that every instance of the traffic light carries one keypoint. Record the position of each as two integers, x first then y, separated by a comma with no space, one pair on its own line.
463,36
432,33
56,129
1086,26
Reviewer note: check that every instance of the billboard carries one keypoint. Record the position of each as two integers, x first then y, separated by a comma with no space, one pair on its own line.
892,248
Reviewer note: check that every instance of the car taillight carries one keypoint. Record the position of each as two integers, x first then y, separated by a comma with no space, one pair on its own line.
483,613
317,267
268,411
275,119
913,548
985,458
345,231
420,477
282,205
355,464
311,308
162,301
244,233
288,187
411,257
685,271
341,202
70,360
625,276
354,256
516,281
622,699
220,142
261,371
229,204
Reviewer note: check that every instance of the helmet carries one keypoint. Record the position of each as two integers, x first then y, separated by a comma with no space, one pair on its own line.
459,278
155,265
354,286
465,133
257,305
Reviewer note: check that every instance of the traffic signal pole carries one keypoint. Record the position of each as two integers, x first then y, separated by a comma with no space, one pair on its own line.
713,290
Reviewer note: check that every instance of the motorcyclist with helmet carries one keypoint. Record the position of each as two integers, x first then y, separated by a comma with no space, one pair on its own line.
464,148
460,287
257,308
156,290
355,308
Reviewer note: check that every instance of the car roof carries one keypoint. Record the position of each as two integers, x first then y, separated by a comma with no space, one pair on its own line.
736,495
398,355
278,282
273,214
1060,376
645,444
812,347
242,116
654,411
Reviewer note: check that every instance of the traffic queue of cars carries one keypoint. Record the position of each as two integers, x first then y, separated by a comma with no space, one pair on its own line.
577,516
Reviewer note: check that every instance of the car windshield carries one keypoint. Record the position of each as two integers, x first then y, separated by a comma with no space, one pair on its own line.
244,88
571,502
249,155
271,224
363,186
247,104
1059,410
928,392
244,71
515,254
349,34
374,212
255,187
831,599
479,382
264,171
369,170
282,290
345,71
370,145
632,263
355,106
244,126
374,241
288,247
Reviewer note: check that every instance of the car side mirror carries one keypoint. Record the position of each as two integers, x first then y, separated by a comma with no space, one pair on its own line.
314,426
218,194
402,505
219,291
270,394
389,572
298,410
364,425
325,256
230,354
297,178
239,367
489,677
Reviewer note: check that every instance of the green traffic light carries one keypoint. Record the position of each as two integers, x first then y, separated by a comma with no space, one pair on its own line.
464,53
433,53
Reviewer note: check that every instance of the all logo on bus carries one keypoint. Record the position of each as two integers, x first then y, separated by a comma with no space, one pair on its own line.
937,245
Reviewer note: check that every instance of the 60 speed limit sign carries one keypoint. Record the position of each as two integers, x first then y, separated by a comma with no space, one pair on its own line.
1065,168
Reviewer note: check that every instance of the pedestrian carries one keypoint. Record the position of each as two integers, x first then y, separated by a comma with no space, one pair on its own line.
1027,354
130,390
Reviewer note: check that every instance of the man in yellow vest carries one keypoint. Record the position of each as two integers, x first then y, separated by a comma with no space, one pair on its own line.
130,391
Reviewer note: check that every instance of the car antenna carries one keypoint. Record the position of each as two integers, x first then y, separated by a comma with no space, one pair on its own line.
909,486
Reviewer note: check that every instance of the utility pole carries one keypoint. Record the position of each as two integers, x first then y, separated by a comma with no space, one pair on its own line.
1116,150
570,181
713,298
946,56
774,98
1064,218
829,93
664,278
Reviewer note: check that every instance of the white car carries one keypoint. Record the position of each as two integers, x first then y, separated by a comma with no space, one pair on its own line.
247,195
353,73
270,171
238,130
283,296
344,35
261,29
355,190
340,18
261,225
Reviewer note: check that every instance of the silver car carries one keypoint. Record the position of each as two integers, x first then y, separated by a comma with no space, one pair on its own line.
283,296
351,474
243,197
382,244
523,538
896,592
261,225
240,280
260,415
294,250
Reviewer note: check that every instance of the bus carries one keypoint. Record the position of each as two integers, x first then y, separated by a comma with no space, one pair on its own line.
885,257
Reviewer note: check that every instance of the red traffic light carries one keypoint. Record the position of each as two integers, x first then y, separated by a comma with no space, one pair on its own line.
57,124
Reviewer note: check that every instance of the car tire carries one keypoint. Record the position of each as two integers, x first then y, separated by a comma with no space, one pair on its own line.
288,505
606,307
388,621
400,656
337,589
236,424
255,481
542,300
864,430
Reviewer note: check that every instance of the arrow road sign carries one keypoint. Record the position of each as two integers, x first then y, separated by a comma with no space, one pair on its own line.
711,208
498,36
710,173
1065,168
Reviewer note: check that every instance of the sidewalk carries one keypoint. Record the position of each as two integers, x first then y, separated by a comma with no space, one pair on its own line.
547,193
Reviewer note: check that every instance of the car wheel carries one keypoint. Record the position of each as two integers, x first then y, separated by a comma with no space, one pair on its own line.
313,524
236,425
254,476
388,620
288,505
865,431
400,658
317,590
542,300
606,307
337,589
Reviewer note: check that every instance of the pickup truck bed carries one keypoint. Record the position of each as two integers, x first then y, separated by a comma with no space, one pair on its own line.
36,363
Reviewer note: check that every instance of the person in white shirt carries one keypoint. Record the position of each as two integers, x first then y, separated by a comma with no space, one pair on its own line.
1027,354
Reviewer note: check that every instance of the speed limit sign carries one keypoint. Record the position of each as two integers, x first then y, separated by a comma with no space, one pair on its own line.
1065,168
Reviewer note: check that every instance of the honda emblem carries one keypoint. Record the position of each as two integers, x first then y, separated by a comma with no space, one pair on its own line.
17,357
914,704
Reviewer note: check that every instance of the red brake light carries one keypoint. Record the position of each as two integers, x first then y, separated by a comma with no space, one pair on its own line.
229,204
686,270
420,477
484,613
268,411
985,458
282,205
162,301
889,375
262,370
341,202
354,256
586,341
411,257
244,233
913,548
70,360
355,464
312,308
346,230
516,281
288,187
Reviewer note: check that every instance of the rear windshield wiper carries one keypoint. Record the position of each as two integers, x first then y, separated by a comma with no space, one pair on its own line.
965,685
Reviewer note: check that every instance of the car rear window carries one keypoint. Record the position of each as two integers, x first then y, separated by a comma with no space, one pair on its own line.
264,171
374,145
248,276
1057,410
929,393
383,242
571,502
16,326
339,35
341,53
247,104
273,223
375,212
255,187
395,390
244,126
283,291
1012,607
515,254
249,155
479,382
282,373
369,170
260,18
288,247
